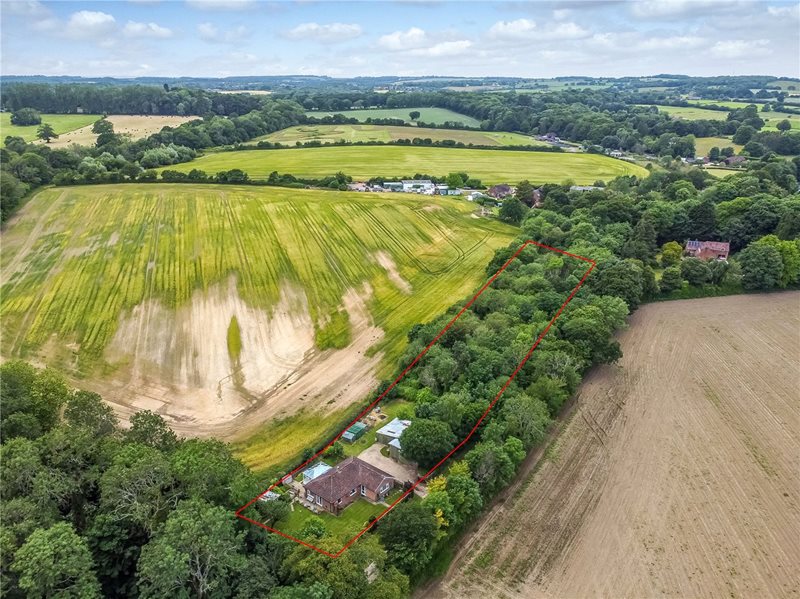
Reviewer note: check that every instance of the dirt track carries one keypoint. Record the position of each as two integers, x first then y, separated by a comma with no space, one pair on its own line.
678,473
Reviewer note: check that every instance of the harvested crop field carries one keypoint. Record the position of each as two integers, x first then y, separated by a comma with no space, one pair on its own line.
676,474
223,307
365,162
386,133
136,126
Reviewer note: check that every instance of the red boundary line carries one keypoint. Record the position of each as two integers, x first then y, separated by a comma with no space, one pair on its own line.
402,374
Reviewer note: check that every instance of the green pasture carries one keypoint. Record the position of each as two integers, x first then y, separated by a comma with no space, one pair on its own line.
691,113
364,162
702,145
771,120
721,173
62,123
437,116
80,258
386,133
785,84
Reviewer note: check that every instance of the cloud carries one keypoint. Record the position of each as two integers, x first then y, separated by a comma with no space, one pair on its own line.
783,12
404,40
90,24
330,33
519,29
212,34
527,30
149,30
222,4
681,8
740,48
32,9
455,48
678,42
561,13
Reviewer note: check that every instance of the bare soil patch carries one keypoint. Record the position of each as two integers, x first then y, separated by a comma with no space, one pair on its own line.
178,364
386,262
677,473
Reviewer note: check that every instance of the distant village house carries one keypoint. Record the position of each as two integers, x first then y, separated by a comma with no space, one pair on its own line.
708,250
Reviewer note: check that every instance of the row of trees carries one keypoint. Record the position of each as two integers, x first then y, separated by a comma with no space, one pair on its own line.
124,99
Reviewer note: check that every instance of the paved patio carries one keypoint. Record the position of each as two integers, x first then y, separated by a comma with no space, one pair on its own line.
402,472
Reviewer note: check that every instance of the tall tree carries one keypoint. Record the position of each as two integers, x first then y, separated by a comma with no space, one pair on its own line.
46,132
55,562
198,554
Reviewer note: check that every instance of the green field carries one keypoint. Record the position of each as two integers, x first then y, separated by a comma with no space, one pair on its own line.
62,123
437,116
785,84
726,104
691,113
721,173
771,120
386,133
364,162
703,144
197,300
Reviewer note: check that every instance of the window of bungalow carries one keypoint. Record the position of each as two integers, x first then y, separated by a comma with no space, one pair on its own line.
319,500
363,490
353,492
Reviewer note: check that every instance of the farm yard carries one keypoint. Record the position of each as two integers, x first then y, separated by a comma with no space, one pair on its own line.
386,133
364,162
676,472
436,116
222,307
137,126
62,124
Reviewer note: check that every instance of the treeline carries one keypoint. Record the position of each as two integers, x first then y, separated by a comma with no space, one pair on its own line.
607,118
125,99
414,141
91,510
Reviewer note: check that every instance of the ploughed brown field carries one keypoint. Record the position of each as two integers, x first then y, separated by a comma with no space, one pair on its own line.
677,473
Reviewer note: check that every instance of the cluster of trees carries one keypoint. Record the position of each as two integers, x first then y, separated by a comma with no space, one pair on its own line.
608,118
92,510
124,99
414,141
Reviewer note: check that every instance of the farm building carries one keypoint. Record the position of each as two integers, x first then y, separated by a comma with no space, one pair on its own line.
342,485
390,435
708,250
355,432
393,186
418,185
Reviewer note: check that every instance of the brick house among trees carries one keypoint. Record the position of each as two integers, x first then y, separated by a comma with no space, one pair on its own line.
708,250
343,484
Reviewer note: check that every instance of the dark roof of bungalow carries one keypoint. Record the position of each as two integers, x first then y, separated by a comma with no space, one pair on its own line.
340,480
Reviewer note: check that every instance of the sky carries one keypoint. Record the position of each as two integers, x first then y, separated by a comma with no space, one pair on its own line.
220,38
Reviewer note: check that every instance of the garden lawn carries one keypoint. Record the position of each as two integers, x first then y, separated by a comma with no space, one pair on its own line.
62,123
386,133
351,521
437,116
365,162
